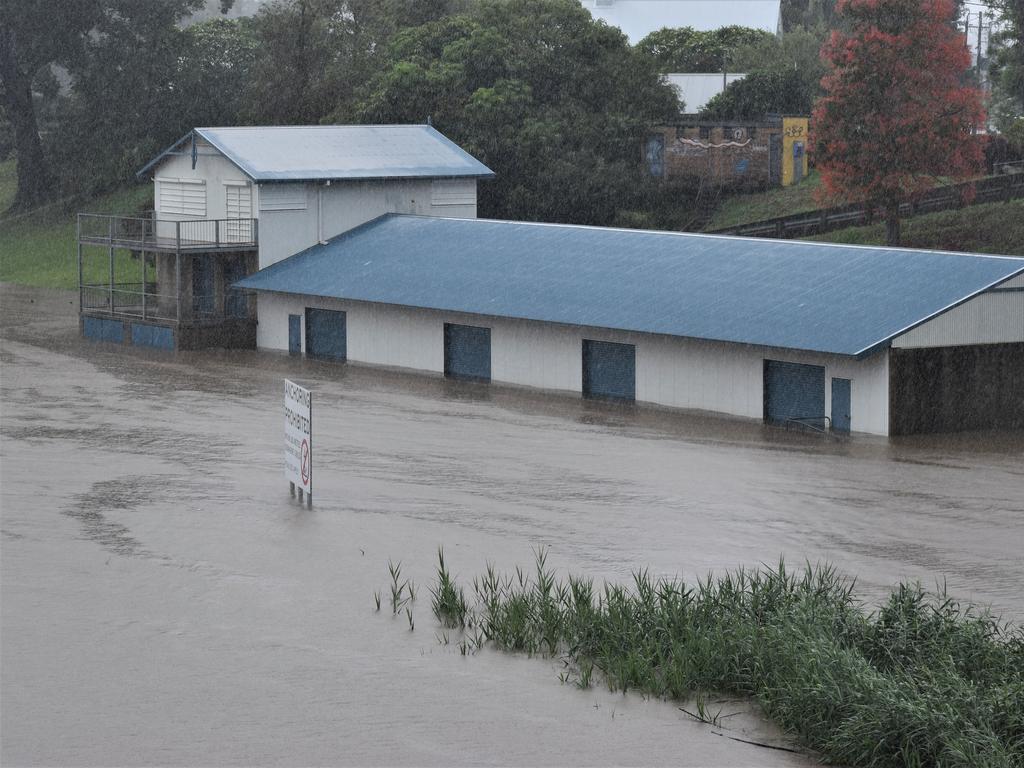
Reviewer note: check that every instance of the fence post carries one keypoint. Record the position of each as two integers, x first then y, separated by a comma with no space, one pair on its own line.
177,272
78,239
143,256
216,232
110,253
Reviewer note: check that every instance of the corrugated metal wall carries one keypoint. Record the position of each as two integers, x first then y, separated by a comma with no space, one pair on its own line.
991,318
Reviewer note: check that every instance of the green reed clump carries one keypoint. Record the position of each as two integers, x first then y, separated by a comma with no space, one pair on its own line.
449,601
922,681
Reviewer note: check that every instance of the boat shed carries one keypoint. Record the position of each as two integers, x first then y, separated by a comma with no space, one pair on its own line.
848,338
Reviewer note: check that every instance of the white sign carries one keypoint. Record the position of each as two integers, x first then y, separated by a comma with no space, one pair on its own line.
298,436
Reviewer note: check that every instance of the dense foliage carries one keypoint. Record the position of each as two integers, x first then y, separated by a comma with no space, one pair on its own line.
896,115
555,104
684,49
922,681
524,85
784,77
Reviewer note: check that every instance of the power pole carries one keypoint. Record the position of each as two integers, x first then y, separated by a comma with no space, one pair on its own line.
981,21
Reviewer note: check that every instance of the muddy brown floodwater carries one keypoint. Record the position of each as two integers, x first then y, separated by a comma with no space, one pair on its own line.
164,602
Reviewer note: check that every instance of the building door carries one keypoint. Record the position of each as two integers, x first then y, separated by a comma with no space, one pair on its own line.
294,334
235,303
793,391
238,205
841,405
798,161
467,352
609,370
204,301
325,334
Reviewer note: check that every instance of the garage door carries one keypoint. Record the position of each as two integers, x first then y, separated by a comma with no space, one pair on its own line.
467,352
609,370
325,333
794,391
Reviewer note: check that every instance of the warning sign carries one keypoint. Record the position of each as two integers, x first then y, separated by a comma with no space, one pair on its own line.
298,436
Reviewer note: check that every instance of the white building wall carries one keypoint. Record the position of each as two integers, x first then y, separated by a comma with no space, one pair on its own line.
213,168
996,317
328,210
670,371
331,210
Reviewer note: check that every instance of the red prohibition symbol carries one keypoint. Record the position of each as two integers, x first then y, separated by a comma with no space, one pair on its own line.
305,462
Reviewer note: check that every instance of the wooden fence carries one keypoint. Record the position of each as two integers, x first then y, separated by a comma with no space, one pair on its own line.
988,190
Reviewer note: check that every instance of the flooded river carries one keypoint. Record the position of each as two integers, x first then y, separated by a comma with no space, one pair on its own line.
165,602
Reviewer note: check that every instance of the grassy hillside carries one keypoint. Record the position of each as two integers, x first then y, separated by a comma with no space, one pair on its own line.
990,228
784,201
39,248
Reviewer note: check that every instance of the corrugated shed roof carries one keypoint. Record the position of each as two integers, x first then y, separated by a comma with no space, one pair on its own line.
638,18
338,152
846,300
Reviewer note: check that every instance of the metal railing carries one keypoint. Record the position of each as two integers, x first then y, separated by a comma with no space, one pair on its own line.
144,302
147,233
808,422
129,300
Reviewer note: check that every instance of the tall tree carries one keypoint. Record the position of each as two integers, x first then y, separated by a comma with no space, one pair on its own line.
33,35
896,115
1006,71
555,103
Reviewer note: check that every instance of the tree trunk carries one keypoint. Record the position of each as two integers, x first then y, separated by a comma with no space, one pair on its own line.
892,223
34,182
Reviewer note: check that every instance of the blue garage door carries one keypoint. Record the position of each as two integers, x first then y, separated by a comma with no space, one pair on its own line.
609,370
325,334
467,352
794,391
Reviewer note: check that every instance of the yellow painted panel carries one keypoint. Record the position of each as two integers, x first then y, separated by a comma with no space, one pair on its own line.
794,149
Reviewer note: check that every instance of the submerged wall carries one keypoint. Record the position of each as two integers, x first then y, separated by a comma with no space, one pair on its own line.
670,371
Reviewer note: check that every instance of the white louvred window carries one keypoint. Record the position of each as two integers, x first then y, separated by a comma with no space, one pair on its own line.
182,197
282,197
238,205
453,192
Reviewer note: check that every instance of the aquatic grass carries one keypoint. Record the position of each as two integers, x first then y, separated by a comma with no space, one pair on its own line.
449,600
922,680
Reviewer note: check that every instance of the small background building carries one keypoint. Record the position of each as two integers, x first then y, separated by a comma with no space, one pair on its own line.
741,154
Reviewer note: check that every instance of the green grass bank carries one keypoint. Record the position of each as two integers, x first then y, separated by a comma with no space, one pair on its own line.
922,681
990,228
757,206
38,248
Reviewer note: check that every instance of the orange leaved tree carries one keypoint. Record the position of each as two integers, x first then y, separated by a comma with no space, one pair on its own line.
897,115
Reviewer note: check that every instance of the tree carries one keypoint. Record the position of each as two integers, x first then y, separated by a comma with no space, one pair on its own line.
1006,71
759,94
807,14
316,54
554,102
33,35
896,115
120,54
684,49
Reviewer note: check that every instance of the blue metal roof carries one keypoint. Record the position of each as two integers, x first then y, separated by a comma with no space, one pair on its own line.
337,152
848,300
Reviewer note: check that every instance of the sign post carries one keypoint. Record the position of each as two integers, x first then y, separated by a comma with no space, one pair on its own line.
298,440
